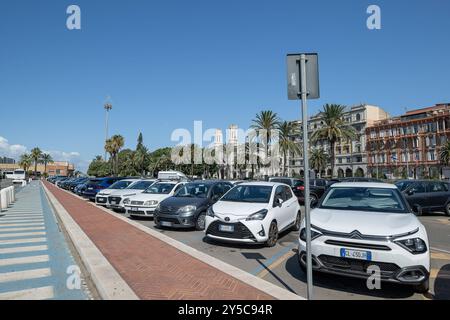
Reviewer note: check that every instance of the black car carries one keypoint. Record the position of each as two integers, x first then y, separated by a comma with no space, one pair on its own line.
187,208
357,179
298,187
425,196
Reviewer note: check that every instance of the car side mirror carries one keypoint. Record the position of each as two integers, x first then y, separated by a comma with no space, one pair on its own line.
279,202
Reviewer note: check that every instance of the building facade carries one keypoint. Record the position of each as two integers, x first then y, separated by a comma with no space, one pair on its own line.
60,168
5,160
409,145
351,157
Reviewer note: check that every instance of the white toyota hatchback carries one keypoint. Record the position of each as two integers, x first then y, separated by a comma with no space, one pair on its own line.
361,228
253,212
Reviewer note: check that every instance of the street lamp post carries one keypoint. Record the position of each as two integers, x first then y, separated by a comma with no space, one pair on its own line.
107,108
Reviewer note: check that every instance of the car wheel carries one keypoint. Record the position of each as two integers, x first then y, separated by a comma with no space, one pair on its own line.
447,209
423,287
200,223
273,235
298,221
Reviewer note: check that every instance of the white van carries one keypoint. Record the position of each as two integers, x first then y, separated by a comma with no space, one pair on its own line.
18,176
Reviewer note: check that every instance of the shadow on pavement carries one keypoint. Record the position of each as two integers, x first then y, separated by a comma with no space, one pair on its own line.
442,283
348,285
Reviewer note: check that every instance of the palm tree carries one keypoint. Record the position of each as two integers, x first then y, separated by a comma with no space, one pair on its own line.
318,159
445,154
268,121
25,161
36,155
333,129
46,158
286,131
113,146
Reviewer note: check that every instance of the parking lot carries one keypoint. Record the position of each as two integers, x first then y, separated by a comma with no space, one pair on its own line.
279,264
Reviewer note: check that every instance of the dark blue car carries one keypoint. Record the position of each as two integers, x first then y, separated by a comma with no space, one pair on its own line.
93,186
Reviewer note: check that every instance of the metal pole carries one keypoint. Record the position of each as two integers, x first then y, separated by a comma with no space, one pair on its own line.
303,93
106,129
407,157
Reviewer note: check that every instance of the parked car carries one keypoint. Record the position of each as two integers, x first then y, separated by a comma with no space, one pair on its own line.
60,180
187,208
93,186
80,188
357,225
254,212
145,203
425,196
116,197
101,198
358,179
298,187
72,185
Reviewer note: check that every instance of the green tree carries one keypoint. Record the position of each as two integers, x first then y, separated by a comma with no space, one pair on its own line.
333,130
286,131
36,155
98,167
46,159
318,160
113,146
444,155
25,161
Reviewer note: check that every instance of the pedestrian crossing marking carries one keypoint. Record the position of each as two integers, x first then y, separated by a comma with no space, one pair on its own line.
15,229
25,275
23,260
22,234
22,241
41,293
23,249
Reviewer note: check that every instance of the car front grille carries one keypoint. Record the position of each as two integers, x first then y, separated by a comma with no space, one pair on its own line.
172,220
168,209
357,265
240,231
114,200
358,245
137,203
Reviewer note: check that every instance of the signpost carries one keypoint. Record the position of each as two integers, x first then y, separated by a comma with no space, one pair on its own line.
303,83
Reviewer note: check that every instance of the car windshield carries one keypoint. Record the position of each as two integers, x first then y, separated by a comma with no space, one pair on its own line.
243,193
364,199
403,185
122,184
160,188
141,185
194,190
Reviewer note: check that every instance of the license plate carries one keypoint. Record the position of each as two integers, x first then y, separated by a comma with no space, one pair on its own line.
90,188
134,209
226,228
356,254
166,224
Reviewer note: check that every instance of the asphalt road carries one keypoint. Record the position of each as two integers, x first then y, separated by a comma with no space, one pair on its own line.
279,264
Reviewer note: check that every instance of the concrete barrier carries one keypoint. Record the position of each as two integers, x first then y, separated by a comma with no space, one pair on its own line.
7,197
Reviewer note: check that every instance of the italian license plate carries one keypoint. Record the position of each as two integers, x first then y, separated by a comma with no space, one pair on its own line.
166,224
226,228
90,188
134,209
356,254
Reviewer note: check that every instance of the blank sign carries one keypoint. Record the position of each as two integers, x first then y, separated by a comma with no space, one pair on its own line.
312,76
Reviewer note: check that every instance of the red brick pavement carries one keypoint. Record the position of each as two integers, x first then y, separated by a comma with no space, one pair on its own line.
152,268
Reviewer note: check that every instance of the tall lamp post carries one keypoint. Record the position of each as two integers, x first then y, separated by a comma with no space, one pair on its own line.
107,107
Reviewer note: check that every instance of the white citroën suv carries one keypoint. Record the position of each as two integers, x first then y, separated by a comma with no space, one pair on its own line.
358,225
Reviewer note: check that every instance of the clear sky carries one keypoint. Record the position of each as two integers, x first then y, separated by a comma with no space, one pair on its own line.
167,63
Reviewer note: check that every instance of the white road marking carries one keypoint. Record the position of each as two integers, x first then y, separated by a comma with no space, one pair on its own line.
23,260
6,220
440,250
22,234
41,293
23,249
25,275
5,226
20,241
4,230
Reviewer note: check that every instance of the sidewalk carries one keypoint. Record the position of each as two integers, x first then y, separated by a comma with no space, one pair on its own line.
152,268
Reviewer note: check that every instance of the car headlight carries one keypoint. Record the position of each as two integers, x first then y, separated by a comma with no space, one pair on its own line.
314,234
126,201
150,203
415,246
210,212
187,209
260,215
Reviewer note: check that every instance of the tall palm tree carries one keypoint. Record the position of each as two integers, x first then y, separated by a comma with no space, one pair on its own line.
25,161
113,146
445,154
286,131
333,129
318,159
46,158
36,155
266,120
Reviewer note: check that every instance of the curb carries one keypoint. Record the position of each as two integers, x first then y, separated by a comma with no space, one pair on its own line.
106,279
257,283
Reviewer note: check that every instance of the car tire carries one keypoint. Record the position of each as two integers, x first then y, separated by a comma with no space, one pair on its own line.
447,209
298,221
424,287
200,222
273,235
302,267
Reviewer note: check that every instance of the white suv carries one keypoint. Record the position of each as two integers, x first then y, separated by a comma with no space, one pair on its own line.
115,198
253,212
361,228
145,203
101,198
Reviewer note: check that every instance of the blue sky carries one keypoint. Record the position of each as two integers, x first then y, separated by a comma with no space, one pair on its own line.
167,63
